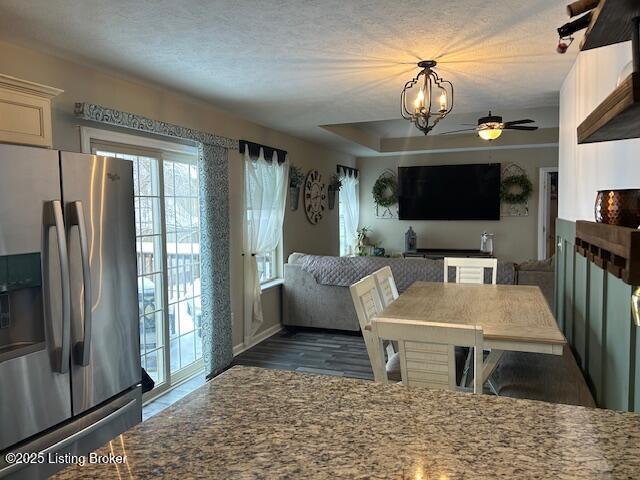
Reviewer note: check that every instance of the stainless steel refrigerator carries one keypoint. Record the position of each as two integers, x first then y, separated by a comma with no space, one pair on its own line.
69,335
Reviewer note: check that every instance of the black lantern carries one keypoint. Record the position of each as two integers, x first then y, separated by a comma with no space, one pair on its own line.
427,98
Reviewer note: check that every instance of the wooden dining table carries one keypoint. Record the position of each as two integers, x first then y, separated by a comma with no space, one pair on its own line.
512,317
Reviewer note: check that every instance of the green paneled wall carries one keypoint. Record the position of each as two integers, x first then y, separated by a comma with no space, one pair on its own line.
569,289
580,309
593,309
617,345
595,329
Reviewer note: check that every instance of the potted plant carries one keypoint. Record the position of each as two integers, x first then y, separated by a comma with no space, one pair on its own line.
364,244
334,186
296,177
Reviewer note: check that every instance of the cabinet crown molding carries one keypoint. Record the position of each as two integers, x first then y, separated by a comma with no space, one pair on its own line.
24,86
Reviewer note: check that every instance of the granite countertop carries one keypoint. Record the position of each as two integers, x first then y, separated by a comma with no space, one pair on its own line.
266,424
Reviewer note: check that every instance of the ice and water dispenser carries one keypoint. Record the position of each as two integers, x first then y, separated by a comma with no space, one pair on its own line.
22,326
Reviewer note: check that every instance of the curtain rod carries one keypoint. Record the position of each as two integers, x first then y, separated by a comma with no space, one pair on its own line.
352,170
254,151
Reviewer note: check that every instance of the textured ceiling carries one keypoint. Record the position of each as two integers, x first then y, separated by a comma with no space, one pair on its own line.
296,64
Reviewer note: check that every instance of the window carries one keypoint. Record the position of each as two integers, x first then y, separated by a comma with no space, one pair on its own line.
349,210
264,197
168,250
344,248
268,265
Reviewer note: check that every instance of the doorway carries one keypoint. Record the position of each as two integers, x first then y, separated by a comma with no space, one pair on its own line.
547,212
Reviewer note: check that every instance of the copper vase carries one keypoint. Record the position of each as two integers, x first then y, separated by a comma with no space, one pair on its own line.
618,207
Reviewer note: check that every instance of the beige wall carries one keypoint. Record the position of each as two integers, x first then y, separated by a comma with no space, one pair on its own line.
515,237
87,84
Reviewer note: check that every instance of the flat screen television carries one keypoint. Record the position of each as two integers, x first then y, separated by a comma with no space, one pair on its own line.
449,192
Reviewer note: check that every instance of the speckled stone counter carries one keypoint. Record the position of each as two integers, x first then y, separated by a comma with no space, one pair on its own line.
266,424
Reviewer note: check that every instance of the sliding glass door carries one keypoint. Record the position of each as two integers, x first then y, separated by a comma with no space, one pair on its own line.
183,262
168,251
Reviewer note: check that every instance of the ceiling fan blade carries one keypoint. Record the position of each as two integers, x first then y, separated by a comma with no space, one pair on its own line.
458,131
517,127
517,122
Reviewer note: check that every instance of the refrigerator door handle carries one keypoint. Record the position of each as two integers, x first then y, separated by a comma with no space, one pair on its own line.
82,349
53,218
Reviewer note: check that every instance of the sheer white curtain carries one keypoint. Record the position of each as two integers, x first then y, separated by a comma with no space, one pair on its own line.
350,201
265,187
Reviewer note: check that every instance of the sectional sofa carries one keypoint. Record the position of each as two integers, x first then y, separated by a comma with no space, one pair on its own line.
316,288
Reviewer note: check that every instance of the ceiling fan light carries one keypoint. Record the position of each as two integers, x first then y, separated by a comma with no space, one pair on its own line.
489,133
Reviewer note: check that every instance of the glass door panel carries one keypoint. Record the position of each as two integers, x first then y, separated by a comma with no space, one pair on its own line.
183,261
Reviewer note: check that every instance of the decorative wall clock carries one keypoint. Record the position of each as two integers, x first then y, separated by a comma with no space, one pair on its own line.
314,196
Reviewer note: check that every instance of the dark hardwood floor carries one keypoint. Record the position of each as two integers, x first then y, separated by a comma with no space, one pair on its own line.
324,352
310,350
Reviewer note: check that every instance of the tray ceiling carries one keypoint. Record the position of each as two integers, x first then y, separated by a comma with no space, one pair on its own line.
295,65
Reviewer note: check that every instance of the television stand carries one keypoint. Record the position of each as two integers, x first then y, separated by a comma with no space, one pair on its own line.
440,253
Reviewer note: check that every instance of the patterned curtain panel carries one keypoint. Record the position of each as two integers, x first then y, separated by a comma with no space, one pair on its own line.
213,170
214,223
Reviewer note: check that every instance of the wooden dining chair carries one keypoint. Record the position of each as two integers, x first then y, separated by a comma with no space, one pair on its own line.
386,285
367,302
388,294
471,270
427,351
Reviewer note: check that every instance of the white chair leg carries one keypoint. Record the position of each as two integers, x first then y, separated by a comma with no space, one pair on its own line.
382,363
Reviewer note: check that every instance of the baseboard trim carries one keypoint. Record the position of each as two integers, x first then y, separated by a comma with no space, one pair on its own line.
241,347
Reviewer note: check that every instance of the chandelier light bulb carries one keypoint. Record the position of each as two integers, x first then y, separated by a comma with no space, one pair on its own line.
443,101
419,102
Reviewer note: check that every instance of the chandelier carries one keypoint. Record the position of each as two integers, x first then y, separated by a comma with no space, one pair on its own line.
427,98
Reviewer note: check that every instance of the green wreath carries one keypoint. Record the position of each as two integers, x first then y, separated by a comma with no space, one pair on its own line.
385,191
518,181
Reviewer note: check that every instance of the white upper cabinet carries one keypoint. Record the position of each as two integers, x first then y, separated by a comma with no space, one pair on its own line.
25,111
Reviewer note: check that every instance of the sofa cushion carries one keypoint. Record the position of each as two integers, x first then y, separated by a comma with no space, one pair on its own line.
547,265
307,304
296,258
540,273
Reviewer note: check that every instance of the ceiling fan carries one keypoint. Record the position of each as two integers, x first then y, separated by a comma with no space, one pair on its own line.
491,126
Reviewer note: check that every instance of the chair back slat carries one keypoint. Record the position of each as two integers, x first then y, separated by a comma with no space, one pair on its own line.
427,350
386,285
471,270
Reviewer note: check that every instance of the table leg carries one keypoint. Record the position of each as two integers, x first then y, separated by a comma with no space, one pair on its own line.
489,366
